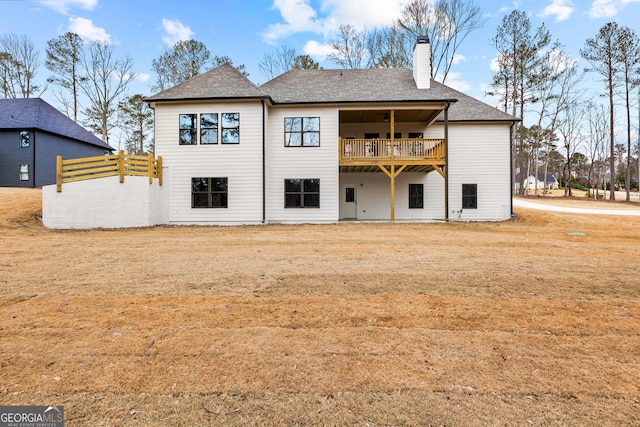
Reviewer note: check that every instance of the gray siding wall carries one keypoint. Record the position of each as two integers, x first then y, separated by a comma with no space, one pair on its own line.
42,166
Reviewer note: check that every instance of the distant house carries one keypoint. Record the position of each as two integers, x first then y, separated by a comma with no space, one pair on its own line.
32,134
552,182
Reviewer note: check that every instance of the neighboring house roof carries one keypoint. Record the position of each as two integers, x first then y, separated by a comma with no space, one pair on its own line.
372,85
550,177
223,82
35,113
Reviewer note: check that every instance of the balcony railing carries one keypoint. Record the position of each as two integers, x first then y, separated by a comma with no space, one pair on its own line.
386,149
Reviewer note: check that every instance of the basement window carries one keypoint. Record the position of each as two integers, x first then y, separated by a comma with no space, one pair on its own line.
209,193
469,196
301,193
24,172
416,196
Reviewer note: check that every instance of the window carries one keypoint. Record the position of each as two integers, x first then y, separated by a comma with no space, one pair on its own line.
301,193
188,129
208,128
302,131
469,196
416,135
25,139
371,135
230,128
396,135
350,195
24,172
416,196
209,192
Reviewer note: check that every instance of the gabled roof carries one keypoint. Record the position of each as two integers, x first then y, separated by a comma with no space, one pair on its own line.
35,113
373,85
550,177
223,82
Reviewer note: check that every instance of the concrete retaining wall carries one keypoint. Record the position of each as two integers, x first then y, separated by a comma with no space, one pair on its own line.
104,203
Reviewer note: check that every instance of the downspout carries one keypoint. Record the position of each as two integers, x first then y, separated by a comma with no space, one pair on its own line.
264,184
34,158
511,181
446,162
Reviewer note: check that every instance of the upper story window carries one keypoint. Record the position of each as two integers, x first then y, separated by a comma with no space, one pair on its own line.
209,128
302,131
469,196
188,129
230,128
25,139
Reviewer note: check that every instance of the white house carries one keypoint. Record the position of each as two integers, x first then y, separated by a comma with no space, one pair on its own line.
322,146
538,182
318,146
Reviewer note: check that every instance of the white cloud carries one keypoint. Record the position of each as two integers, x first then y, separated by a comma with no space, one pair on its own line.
143,77
319,51
85,29
608,8
454,81
457,59
561,9
299,16
63,6
175,31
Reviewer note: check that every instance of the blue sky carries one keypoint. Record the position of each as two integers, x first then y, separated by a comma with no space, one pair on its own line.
247,29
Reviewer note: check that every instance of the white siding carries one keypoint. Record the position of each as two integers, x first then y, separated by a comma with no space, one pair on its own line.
240,163
373,194
304,163
480,154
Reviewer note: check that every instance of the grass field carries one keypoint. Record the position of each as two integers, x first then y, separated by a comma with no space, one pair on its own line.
533,321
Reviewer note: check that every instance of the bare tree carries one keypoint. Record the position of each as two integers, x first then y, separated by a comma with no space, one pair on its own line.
571,130
447,23
350,48
602,52
277,62
305,62
520,73
107,79
596,140
63,60
628,56
388,48
19,62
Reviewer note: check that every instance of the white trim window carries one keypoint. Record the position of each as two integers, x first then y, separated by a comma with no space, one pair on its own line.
302,131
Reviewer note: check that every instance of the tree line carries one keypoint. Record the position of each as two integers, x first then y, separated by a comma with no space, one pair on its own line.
562,130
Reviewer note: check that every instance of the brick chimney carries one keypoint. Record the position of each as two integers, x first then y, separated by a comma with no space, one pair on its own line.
422,62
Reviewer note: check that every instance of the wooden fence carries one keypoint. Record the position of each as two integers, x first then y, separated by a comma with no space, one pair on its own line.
72,170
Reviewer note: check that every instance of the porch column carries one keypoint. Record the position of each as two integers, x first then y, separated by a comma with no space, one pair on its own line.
393,166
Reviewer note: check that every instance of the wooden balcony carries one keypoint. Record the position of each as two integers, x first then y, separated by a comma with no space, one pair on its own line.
368,155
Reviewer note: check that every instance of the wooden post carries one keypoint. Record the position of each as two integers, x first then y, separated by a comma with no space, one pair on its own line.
393,189
159,171
150,167
393,131
59,173
121,166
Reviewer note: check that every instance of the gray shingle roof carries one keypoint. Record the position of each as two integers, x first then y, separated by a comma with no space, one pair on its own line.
223,82
374,85
35,113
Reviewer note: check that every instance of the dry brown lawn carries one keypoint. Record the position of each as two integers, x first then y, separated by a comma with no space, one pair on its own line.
534,321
